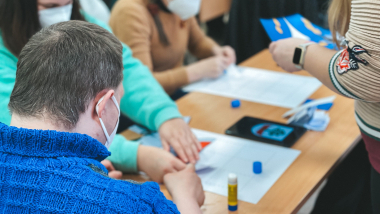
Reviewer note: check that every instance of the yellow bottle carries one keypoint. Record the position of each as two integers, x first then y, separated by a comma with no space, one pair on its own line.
232,192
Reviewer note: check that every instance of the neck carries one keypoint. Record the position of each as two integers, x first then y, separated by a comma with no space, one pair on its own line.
36,123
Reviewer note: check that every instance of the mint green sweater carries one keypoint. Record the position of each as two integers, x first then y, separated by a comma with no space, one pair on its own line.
145,101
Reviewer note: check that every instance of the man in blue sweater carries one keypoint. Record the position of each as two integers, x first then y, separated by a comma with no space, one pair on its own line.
66,96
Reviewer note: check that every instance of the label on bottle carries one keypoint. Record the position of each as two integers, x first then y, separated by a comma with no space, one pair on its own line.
232,195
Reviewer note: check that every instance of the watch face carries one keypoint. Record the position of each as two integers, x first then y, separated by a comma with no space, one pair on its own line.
297,56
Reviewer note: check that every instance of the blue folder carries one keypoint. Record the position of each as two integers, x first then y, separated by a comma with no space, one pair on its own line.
299,27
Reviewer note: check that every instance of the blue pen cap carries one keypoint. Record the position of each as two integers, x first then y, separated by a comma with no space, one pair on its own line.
257,167
235,103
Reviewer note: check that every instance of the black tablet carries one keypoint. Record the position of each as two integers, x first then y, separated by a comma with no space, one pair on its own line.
266,131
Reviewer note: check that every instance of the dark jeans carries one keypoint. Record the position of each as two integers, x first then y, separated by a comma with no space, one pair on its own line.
375,191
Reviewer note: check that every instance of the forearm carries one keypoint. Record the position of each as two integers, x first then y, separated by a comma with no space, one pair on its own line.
204,48
172,79
317,60
187,206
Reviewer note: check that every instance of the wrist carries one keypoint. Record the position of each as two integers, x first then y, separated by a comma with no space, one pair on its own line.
193,72
300,54
217,50
141,157
186,204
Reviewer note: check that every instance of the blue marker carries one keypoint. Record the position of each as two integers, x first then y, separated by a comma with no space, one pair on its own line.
235,103
257,167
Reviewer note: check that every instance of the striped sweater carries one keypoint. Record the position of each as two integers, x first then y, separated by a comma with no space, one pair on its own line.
355,71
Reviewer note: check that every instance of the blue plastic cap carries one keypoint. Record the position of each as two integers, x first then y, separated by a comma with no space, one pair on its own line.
235,103
232,208
257,167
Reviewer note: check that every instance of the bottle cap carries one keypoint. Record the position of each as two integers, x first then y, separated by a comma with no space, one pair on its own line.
235,103
257,167
232,178
232,208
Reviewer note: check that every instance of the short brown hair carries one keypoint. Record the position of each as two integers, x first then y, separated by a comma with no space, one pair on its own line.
62,68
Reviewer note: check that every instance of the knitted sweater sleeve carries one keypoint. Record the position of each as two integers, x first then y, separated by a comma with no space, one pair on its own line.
160,203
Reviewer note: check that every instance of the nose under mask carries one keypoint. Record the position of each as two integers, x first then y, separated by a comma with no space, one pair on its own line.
185,9
52,16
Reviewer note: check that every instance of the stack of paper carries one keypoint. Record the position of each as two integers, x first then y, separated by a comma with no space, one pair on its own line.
262,86
228,154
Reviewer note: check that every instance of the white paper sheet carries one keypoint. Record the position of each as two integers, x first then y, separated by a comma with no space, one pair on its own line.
227,154
258,85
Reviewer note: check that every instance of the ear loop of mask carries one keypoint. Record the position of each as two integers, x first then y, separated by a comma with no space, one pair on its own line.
108,137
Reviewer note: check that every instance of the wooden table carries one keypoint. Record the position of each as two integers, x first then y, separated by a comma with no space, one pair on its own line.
321,152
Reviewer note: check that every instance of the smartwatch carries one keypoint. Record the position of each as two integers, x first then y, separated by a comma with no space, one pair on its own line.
299,55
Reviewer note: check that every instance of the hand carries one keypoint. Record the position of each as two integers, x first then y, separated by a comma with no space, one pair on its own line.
282,52
226,51
112,173
156,162
185,186
177,133
211,67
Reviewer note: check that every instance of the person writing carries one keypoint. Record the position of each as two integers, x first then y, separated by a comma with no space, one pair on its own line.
354,71
144,100
160,32
51,153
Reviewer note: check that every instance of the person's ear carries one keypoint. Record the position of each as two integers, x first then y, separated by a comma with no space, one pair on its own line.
100,107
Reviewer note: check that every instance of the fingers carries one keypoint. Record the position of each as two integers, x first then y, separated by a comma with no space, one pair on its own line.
108,165
165,145
272,47
178,165
188,150
190,167
195,152
115,174
222,65
180,151
230,54
195,139
192,143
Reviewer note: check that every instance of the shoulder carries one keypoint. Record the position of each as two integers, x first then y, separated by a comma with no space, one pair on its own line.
93,20
129,11
7,57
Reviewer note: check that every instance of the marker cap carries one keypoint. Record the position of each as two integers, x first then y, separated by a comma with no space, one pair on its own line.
232,178
257,167
235,103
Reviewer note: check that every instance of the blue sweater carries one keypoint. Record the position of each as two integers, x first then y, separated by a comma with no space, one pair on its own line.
59,172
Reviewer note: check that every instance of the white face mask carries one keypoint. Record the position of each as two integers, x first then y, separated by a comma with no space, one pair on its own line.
109,137
55,15
185,8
